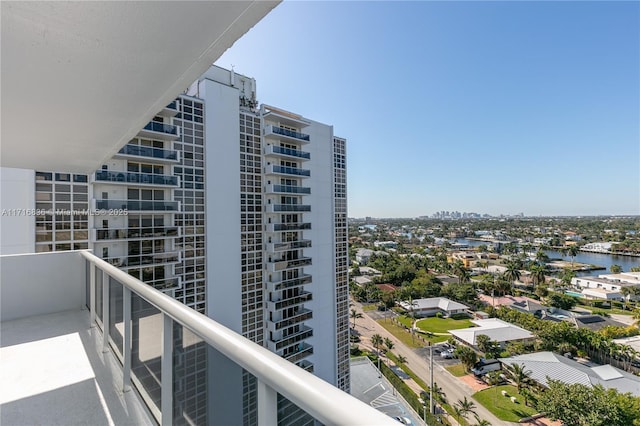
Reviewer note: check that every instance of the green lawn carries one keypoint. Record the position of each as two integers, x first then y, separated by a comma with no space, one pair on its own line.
405,320
607,310
457,370
442,325
369,307
403,335
502,406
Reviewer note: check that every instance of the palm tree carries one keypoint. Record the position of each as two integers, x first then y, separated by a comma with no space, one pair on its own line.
482,422
519,375
465,407
537,274
376,341
401,359
572,251
467,356
388,343
512,273
355,315
438,393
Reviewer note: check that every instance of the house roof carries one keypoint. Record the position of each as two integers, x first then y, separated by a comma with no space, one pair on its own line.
496,329
557,367
434,302
594,322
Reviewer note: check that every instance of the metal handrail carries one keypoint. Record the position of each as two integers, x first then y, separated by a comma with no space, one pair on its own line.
320,399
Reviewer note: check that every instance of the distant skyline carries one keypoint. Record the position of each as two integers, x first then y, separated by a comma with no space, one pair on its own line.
496,107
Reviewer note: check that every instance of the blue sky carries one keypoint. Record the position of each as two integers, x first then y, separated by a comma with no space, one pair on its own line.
491,107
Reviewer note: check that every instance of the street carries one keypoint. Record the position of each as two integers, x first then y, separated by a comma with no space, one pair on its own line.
453,388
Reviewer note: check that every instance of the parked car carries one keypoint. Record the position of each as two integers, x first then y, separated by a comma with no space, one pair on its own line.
403,420
447,354
483,367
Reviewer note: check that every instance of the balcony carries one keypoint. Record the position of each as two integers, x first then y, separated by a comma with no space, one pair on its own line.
287,153
287,189
286,227
292,339
288,283
170,110
303,315
291,245
274,169
285,135
133,233
282,265
159,131
276,305
157,155
283,117
302,351
132,335
137,179
138,205
278,208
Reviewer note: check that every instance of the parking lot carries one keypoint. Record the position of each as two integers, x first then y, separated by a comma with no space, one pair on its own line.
437,359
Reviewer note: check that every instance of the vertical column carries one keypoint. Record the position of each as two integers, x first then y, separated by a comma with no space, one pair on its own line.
92,293
126,339
105,312
166,393
267,404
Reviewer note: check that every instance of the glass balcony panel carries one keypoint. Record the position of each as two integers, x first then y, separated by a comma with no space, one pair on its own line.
292,152
98,306
292,189
146,350
147,151
134,177
291,171
189,377
291,133
137,205
161,127
291,208
116,325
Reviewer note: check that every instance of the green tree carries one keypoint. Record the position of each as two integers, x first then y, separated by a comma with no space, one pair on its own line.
465,407
512,273
580,405
520,377
401,359
538,275
615,269
388,343
467,356
355,315
562,301
572,251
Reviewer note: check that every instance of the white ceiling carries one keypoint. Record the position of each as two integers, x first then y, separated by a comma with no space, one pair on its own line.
79,79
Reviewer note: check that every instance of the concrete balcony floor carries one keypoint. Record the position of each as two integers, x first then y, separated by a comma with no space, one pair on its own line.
53,372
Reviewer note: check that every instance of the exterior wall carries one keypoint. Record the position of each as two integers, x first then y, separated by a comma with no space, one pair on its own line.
341,261
16,227
33,296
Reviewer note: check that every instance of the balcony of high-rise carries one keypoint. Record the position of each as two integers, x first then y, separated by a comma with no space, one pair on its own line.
274,132
274,169
84,342
160,131
135,178
286,153
148,153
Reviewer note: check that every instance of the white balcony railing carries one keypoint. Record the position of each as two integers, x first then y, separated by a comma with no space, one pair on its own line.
109,286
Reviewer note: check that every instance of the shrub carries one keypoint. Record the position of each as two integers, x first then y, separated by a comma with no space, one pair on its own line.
438,314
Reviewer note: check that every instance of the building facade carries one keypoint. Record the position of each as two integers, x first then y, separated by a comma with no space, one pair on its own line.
237,210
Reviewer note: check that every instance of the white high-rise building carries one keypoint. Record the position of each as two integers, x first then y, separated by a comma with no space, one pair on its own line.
276,231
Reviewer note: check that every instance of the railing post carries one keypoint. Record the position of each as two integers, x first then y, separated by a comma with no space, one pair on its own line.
267,404
166,393
126,339
92,294
105,312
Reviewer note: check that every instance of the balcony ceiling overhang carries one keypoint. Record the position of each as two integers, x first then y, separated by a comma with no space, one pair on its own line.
79,79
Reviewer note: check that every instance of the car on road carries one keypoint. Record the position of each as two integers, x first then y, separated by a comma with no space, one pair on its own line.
403,420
